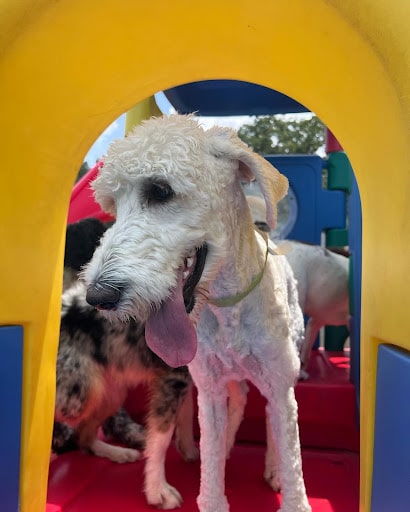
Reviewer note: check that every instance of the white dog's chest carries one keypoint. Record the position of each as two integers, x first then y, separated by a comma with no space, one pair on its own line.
223,349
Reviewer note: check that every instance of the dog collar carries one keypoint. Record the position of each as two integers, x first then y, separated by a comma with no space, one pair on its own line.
226,302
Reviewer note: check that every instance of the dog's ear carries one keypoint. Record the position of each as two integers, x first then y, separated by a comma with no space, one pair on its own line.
225,143
102,194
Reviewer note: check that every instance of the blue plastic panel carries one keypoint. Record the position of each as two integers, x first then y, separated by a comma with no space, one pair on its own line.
11,367
355,248
391,473
230,98
318,208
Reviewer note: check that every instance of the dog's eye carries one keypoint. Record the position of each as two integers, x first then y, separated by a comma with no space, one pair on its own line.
158,192
263,226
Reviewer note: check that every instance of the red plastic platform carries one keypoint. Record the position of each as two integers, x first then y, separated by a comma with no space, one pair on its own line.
83,483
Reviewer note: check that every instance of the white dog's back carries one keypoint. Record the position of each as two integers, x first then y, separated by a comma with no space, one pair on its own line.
323,281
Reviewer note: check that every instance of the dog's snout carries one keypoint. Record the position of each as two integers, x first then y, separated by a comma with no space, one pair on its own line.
103,296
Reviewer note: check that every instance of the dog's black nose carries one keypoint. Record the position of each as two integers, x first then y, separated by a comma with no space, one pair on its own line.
103,296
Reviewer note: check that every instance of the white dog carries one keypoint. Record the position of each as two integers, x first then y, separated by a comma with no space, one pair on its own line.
183,256
322,279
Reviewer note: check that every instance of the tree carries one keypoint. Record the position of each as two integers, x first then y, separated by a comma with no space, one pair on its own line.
273,135
83,170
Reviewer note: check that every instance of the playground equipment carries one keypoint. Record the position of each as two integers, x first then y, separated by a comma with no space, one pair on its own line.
68,69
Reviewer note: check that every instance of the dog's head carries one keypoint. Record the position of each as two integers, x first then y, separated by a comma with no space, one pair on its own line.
226,144
257,207
175,190
81,239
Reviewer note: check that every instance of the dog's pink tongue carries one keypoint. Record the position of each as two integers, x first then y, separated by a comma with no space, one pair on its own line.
169,332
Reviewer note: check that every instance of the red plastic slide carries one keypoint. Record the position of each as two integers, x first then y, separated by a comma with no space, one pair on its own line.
82,202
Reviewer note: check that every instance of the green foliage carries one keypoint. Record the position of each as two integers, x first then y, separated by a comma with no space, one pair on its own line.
273,135
83,170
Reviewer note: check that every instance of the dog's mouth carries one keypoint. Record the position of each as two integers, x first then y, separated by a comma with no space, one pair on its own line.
169,332
192,271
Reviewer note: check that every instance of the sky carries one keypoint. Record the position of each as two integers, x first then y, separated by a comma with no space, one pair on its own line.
117,128
114,131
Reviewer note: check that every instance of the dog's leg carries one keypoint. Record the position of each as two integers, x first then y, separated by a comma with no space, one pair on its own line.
124,430
157,490
114,453
237,392
213,417
271,473
282,412
64,439
312,329
167,396
184,432
88,441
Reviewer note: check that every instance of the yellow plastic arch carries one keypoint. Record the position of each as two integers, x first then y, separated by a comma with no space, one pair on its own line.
68,68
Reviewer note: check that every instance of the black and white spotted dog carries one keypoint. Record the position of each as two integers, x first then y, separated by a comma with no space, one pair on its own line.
81,240
98,362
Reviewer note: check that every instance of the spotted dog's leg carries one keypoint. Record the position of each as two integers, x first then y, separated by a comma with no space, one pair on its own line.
125,430
184,433
114,453
88,441
167,395
64,438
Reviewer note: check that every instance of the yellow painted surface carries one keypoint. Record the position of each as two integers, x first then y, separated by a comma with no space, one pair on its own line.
69,68
142,110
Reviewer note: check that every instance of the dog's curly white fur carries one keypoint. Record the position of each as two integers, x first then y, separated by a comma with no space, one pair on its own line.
175,188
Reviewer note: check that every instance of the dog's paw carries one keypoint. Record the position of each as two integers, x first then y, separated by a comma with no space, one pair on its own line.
165,498
123,455
303,507
114,453
213,503
272,479
295,503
